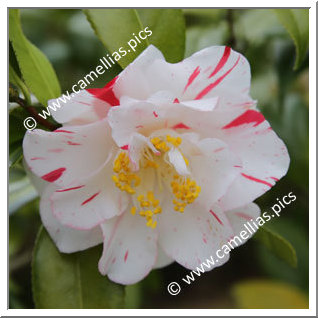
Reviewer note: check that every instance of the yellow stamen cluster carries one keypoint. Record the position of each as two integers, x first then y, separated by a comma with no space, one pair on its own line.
161,144
149,208
124,179
185,191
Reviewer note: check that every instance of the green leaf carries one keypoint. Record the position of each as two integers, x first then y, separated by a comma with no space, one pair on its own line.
167,27
168,31
71,280
16,134
266,294
21,190
115,28
277,245
36,69
296,22
15,80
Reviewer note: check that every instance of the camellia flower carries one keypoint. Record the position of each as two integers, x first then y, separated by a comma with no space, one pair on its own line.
161,165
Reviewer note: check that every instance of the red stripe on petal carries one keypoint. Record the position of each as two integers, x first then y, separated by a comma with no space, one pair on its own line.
180,126
223,60
69,189
192,77
250,116
243,215
53,175
217,82
274,178
217,218
37,158
63,131
106,93
256,180
71,143
90,198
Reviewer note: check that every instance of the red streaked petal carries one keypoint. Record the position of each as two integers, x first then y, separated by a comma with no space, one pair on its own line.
222,62
250,116
207,89
53,175
106,93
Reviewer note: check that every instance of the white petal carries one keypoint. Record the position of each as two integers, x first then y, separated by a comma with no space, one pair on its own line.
213,72
240,217
68,154
66,239
130,249
177,160
193,236
137,80
214,169
82,108
163,259
88,203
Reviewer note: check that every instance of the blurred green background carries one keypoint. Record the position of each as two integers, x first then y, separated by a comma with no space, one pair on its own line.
253,275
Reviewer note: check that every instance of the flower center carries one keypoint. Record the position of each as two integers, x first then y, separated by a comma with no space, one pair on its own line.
155,171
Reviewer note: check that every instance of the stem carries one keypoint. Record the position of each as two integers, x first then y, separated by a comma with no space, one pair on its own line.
34,113
229,18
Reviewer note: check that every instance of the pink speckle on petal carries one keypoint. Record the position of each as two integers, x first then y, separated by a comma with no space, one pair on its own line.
56,150
155,114
176,101
53,175
37,158
218,149
126,256
71,143
243,215
124,147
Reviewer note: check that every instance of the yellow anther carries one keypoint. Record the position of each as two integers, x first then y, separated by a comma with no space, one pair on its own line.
154,224
150,196
144,204
157,210
148,213
140,197
133,210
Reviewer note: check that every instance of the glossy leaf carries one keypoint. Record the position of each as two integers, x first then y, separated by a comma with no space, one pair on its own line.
277,245
71,280
15,80
169,40
115,28
296,22
266,294
36,69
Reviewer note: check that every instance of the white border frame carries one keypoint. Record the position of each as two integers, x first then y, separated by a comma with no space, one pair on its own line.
312,166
